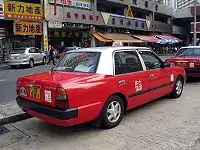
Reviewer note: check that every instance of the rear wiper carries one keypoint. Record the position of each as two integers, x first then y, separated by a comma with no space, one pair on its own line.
68,68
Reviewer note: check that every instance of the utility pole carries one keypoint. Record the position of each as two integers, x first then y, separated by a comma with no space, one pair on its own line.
195,24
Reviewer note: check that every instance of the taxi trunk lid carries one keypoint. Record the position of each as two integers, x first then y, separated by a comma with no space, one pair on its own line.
187,62
41,88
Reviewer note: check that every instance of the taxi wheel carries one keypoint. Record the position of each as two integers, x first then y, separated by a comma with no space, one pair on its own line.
178,88
112,112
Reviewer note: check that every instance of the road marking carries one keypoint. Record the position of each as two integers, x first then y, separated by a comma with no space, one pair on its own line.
2,80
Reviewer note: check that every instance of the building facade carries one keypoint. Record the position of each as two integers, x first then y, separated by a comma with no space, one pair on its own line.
22,25
83,23
70,22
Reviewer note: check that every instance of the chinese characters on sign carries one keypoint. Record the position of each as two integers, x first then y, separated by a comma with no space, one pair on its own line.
27,28
45,43
56,33
138,85
75,3
25,11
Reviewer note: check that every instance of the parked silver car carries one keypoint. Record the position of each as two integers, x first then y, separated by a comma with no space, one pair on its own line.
26,56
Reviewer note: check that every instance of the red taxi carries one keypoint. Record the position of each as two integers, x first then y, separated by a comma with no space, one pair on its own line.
98,84
189,59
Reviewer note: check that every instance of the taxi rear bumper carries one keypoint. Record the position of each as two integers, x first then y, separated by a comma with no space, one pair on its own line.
193,72
48,111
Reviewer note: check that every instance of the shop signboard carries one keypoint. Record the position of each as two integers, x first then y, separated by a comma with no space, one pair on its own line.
1,10
23,11
63,33
75,3
27,28
117,44
45,43
55,24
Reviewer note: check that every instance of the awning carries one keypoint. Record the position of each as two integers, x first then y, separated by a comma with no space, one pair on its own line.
147,38
168,37
120,37
100,37
115,37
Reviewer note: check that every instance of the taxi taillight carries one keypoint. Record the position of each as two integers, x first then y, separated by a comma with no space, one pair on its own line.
17,86
198,64
61,98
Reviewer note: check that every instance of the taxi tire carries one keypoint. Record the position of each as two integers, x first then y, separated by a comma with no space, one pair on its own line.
174,94
105,123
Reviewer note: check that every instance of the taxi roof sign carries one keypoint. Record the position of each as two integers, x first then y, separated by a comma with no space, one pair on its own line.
129,12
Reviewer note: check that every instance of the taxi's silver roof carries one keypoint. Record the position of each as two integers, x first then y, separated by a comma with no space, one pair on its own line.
106,62
110,49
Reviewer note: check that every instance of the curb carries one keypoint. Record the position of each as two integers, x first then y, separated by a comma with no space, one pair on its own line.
10,112
14,118
3,66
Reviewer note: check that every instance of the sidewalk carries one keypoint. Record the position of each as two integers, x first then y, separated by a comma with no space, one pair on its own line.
10,112
3,66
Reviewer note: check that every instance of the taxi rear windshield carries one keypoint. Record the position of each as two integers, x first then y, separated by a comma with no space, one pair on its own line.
188,52
79,62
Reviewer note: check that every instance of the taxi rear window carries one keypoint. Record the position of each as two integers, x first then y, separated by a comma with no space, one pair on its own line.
188,52
79,62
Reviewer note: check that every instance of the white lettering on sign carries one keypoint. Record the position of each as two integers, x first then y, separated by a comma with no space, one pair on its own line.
76,3
117,44
82,4
54,24
138,85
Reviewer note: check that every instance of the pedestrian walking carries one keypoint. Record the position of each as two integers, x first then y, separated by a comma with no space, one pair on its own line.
51,55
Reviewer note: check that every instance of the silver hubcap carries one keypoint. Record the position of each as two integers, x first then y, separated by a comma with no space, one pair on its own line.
114,111
179,86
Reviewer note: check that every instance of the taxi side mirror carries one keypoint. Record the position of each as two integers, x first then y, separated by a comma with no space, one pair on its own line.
165,65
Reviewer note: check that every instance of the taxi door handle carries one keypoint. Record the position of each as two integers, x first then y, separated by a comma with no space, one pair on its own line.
121,82
152,75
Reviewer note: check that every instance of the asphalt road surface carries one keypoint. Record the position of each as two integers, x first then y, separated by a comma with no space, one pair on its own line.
8,80
163,124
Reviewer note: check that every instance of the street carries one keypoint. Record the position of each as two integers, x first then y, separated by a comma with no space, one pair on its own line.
163,124
8,79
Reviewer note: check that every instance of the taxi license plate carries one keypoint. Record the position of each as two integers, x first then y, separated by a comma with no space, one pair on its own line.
35,92
181,64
